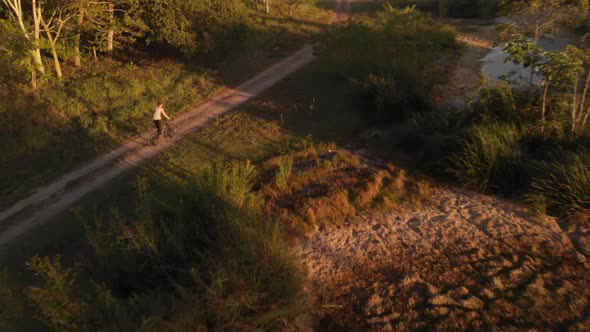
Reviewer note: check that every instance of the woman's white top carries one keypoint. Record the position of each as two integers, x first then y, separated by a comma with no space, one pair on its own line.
158,113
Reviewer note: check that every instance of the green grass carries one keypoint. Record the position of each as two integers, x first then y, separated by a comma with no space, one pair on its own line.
491,159
562,185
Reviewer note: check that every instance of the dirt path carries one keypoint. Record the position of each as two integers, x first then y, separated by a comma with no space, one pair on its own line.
47,201
470,262
466,75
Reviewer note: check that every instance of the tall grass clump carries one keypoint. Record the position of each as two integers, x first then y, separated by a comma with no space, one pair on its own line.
490,158
284,171
231,182
204,260
563,185
11,306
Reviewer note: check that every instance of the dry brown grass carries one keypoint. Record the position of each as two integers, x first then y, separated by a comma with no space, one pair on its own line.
329,185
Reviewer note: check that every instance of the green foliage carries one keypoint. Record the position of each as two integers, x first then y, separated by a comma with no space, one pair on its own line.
12,308
394,73
231,182
491,159
284,171
55,298
14,55
562,185
453,8
393,95
199,261
197,27
443,7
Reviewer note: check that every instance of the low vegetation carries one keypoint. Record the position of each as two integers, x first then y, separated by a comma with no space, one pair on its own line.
392,81
201,239
201,260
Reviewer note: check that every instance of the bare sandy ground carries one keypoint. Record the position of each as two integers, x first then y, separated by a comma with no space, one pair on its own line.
48,201
469,262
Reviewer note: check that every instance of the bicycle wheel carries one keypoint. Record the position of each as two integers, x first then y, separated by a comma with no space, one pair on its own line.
169,131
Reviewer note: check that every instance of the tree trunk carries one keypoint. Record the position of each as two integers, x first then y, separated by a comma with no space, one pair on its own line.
111,32
34,79
52,44
585,92
575,106
56,60
36,37
77,60
544,107
267,6
15,7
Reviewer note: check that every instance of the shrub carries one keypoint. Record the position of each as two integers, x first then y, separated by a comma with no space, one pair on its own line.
491,159
55,299
393,96
12,307
202,261
394,73
231,182
284,171
562,186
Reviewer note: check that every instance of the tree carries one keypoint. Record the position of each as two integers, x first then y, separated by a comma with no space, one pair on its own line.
535,17
31,34
577,75
53,27
113,23
522,50
195,26
15,55
568,71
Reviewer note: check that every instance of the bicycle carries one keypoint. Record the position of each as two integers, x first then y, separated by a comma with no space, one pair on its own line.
167,132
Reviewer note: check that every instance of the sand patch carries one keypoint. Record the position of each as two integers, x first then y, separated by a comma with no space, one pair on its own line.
468,262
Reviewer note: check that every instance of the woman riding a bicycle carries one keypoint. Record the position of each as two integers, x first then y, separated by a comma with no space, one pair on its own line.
158,112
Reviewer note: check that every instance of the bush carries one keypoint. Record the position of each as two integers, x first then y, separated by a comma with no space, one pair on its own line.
284,171
562,186
491,159
57,304
394,72
12,308
209,27
202,261
394,95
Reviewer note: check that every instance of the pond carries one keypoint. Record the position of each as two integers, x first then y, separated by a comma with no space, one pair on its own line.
494,67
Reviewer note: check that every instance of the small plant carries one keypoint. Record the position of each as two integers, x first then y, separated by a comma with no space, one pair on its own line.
55,299
490,158
12,308
284,171
562,187
232,182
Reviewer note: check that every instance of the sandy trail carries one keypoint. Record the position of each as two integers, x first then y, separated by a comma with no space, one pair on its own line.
48,201
466,74
469,262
